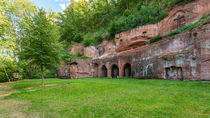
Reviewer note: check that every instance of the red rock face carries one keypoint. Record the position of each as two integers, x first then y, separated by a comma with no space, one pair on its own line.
133,44
91,51
184,56
81,69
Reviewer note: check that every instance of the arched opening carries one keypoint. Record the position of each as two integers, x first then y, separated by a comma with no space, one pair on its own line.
115,71
127,70
104,71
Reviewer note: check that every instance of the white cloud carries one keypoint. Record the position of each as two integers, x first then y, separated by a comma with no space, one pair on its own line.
63,0
64,6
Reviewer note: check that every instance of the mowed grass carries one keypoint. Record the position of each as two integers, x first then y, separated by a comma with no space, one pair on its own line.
112,98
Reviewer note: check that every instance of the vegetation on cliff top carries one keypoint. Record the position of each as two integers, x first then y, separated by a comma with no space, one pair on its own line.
90,22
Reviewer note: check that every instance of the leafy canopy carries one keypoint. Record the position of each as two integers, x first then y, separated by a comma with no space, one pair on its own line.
40,44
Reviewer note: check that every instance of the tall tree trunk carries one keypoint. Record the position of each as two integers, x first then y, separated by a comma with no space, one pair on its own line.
42,71
6,72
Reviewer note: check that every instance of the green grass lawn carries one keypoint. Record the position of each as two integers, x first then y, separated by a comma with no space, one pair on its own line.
107,98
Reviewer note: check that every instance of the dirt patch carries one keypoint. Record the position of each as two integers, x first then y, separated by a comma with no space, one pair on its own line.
7,83
12,108
5,90
65,84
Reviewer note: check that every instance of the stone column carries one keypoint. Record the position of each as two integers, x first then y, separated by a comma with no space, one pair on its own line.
120,66
109,69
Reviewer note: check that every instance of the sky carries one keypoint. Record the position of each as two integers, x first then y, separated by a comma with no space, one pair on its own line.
55,5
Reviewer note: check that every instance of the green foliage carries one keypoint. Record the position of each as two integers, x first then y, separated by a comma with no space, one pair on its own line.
34,74
88,39
53,73
95,38
40,44
84,57
78,37
180,30
11,15
10,66
67,56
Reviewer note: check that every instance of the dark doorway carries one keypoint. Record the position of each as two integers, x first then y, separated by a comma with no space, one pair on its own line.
127,70
104,71
115,71
173,73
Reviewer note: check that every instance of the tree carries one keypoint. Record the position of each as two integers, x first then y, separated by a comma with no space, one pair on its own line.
11,13
39,41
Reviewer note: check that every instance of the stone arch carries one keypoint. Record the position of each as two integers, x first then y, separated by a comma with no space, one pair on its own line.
104,71
114,71
127,70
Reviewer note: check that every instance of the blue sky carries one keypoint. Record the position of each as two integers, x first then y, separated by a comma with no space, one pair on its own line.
55,5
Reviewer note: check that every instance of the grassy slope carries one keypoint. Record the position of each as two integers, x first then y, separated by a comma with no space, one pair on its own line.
113,98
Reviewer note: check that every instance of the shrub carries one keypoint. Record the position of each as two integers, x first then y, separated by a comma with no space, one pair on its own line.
78,37
155,39
11,66
99,36
51,73
88,39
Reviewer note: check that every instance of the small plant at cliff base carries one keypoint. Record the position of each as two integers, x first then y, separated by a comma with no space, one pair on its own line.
39,44
81,56
185,28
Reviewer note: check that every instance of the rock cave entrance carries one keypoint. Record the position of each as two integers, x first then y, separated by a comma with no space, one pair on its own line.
173,73
104,71
115,71
127,70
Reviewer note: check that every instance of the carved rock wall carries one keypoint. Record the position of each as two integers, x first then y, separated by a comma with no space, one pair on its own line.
191,12
184,57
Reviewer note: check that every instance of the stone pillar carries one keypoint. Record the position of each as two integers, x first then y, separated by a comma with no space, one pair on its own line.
109,70
120,65
99,71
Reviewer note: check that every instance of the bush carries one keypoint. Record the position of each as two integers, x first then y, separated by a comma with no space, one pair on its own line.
11,66
78,37
51,73
155,39
99,36
68,56
35,74
88,39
